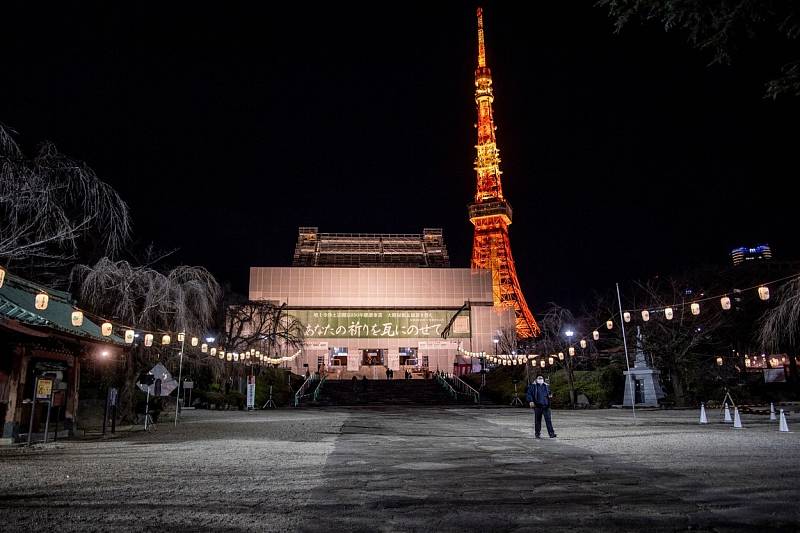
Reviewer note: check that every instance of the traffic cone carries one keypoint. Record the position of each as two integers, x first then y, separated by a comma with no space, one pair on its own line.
737,422
727,413
784,427
703,419
772,411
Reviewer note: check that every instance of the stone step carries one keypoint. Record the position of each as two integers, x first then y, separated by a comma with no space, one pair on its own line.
385,392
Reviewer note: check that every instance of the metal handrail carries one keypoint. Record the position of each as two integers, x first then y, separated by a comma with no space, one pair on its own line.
462,387
319,387
301,392
446,384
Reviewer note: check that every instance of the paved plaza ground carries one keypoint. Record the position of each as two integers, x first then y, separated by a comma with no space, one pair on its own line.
411,469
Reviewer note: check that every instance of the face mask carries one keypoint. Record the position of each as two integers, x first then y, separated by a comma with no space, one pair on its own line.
539,381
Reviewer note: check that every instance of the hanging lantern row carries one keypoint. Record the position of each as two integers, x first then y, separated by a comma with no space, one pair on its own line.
724,302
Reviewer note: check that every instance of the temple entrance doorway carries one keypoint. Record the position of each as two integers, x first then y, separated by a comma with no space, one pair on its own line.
373,357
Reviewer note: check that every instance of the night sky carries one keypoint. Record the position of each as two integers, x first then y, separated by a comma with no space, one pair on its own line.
227,127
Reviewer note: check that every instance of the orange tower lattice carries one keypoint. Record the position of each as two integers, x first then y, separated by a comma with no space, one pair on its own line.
490,213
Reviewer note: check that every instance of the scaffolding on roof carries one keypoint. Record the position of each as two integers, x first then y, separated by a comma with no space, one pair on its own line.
392,250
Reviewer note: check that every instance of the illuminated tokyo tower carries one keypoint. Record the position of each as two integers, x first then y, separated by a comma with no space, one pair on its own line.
490,213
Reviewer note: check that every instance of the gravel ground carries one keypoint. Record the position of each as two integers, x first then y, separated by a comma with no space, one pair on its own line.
411,469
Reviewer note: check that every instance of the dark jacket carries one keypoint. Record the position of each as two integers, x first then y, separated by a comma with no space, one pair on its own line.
538,394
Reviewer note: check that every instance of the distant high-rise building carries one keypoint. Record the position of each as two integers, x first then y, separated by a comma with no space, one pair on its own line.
744,253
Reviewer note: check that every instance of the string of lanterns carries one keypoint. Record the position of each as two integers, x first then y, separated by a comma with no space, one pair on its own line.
669,313
762,290
129,334
514,359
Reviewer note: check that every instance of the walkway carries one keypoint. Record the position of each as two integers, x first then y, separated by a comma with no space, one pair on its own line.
410,469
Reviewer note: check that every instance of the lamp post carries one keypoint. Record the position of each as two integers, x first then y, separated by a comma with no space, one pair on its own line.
568,367
180,372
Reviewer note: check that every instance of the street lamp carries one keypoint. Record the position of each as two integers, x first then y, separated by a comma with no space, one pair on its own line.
568,365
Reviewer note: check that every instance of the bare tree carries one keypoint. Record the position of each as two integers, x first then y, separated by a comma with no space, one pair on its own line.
262,326
780,326
183,299
52,208
555,324
724,27
506,340
686,346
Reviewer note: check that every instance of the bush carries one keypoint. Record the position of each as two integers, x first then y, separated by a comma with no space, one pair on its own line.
214,400
235,399
601,386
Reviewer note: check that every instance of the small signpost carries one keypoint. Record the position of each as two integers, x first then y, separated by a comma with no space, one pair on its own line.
251,392
43,390
111,403
188,385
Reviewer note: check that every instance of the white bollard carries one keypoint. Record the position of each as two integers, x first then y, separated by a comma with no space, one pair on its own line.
703,419
727,413
783,425
737,422
772,411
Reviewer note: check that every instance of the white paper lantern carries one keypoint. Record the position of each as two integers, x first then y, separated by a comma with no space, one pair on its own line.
129,336
596,335
763,293
106,329
725,302
668,313
542,363
583,343
609,324
695,309
204,348
236,356
165,340
645,315
719,361
148,339
213,352
41,301
561,355
77,318
195,341
550,359
626,316
571,350
181,337
2,276
229,356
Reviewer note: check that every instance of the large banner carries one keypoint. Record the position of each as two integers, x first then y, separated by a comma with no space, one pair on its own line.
381,323
251,392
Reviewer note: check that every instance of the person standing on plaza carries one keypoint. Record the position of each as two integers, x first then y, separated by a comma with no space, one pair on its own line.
538,395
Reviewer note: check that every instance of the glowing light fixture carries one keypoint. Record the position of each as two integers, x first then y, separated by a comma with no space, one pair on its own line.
41,301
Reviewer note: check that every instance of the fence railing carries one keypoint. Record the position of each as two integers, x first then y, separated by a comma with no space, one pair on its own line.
442,380
319,387
303,390
464,388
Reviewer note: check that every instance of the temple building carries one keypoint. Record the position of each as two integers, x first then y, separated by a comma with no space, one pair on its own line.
374,301
42,349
